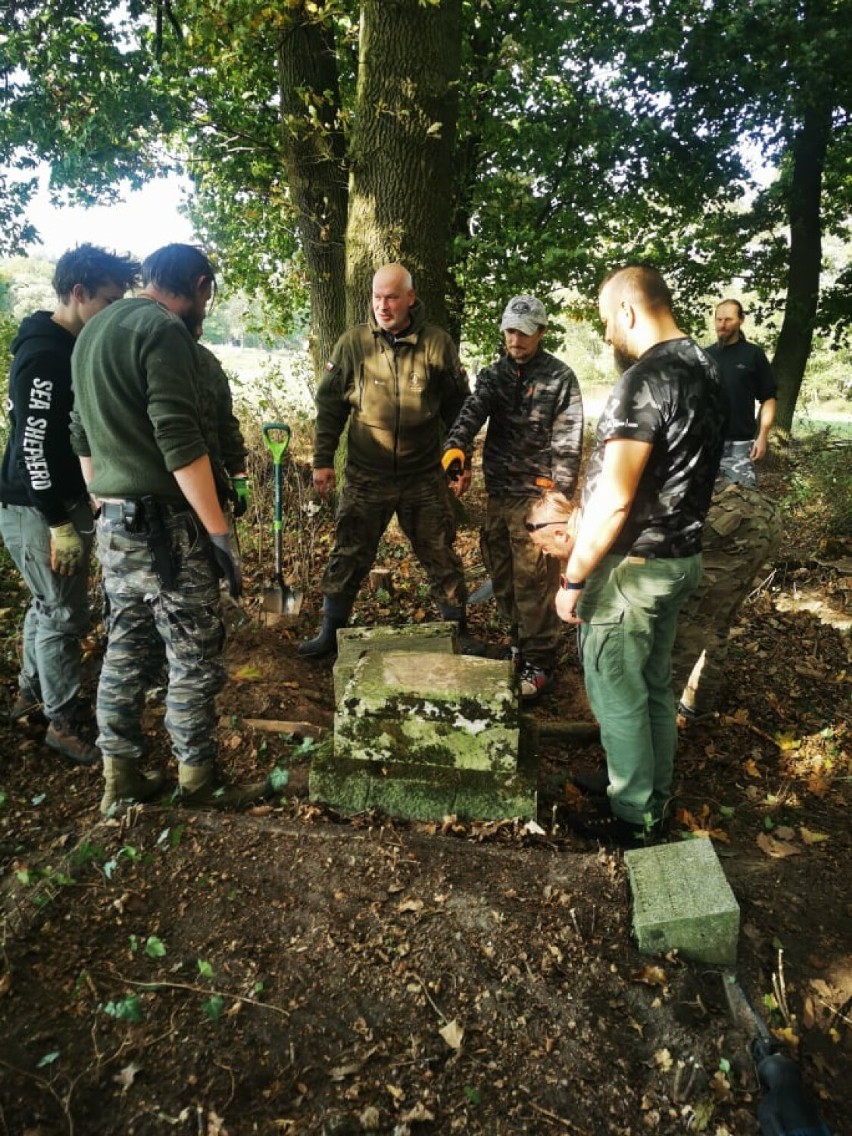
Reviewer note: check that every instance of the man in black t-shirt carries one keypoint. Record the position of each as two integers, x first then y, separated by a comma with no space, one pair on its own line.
637,554
747,379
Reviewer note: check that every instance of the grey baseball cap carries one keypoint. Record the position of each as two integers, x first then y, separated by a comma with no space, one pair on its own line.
524,313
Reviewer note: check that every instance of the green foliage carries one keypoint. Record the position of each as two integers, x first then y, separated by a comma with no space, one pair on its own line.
821,489
127,1009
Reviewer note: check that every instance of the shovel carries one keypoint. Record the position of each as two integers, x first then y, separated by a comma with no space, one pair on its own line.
280,599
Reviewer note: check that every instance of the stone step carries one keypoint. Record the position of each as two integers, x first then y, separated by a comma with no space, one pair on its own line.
682,901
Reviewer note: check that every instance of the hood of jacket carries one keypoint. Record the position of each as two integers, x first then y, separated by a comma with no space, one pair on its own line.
39,332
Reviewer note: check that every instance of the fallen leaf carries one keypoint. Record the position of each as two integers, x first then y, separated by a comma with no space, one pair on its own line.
784,832
6,983
750,768
419,1114
127,1076
248,674
663,1060
776,849
651,976
809,837
452,1033
410,905
787,741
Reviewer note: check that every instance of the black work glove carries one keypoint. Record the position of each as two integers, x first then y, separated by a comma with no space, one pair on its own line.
227,556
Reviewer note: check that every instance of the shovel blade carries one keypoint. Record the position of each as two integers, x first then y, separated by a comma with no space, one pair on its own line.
282,600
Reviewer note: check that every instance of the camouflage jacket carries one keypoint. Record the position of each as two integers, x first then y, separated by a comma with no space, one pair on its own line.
535,425
396,392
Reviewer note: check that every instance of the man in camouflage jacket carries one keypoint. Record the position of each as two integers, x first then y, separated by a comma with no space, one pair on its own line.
394,380
534,440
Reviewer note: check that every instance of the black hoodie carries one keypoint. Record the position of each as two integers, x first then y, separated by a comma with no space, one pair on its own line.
39,468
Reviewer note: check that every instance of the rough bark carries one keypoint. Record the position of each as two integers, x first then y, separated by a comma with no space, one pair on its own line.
400,199
804,213
314,157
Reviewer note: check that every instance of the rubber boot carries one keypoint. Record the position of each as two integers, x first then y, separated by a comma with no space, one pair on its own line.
335,613
467,644
202,787
125,781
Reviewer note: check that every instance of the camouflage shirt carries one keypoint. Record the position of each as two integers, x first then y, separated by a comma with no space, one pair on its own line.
671,398
535,425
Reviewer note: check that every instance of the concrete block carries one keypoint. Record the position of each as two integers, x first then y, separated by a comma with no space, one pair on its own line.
438,710
424,735
422,793
682,901
353,642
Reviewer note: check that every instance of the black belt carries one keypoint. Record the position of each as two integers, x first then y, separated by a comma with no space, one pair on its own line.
121,510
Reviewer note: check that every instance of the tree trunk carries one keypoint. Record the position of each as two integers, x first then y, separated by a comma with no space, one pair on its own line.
314,160
400,189
803,210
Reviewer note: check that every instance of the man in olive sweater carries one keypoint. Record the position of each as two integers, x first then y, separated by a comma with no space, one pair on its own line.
162,538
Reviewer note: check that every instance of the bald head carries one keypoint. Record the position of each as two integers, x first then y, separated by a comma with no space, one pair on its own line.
636,308
393,297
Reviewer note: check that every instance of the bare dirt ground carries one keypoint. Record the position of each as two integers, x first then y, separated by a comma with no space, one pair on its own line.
294,971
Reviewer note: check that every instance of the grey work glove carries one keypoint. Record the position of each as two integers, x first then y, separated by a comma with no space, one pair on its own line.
67,553
227,556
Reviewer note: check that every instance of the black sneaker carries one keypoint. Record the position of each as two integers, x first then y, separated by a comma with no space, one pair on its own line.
594,783
607,828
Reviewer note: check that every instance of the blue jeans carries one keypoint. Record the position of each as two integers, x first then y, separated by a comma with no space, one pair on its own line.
58,613
630,606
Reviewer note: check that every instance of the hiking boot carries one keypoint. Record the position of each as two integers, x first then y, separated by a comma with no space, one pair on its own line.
594,783
62,736
125,781
27,705
535,681
202,787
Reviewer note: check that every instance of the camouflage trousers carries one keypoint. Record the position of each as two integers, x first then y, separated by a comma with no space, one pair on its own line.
736,464
146,619
525,581
424,510
741,533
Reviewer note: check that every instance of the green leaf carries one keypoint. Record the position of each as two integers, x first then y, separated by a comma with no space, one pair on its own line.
278,779
48,1059
125,1009
205,969
214,1007
155,947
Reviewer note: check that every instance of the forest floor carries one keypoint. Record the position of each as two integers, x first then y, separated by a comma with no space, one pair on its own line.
291,970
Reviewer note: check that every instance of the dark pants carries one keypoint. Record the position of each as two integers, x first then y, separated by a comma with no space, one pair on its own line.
424,510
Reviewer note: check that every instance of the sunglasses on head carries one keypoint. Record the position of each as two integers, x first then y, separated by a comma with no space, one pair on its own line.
534,526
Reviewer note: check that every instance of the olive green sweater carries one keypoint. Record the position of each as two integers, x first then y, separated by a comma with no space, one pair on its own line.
135,371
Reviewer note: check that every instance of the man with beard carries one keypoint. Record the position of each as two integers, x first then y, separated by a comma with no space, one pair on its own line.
162,538
531,401
637,552
748,380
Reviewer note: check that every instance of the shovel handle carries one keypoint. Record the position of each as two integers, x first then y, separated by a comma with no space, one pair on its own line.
276,444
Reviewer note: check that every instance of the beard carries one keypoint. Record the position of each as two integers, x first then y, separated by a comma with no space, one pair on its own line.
622,359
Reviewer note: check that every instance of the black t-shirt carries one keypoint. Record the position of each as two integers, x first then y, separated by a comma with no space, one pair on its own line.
747,378
671,398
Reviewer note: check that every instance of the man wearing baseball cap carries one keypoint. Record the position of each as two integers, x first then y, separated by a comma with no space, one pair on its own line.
534,410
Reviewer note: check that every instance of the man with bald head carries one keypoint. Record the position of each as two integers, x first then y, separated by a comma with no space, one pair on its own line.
637,550
394,380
